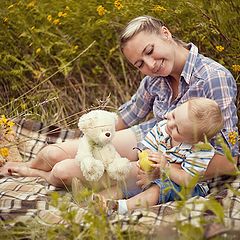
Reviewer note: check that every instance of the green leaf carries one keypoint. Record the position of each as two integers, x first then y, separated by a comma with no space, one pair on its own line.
216,208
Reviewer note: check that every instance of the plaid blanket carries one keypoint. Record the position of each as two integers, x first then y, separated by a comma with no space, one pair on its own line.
25,198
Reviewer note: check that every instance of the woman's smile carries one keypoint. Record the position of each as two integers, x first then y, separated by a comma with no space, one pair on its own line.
159,68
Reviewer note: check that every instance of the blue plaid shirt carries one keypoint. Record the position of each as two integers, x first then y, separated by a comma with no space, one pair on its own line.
201,77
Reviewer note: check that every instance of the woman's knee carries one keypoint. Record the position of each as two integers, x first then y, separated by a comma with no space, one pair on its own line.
66,170
60,171
52,153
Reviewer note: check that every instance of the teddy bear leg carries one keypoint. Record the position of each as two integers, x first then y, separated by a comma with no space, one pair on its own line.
92,169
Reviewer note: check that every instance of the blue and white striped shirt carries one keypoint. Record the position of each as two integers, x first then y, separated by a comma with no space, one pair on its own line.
201,77
193,161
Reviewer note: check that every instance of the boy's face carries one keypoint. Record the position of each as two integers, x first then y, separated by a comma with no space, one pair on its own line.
179,126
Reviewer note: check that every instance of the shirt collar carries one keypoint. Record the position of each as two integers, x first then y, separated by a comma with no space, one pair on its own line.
167,138
190,63
163,129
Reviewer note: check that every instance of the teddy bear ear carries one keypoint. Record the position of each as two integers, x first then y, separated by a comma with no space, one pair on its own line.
85,121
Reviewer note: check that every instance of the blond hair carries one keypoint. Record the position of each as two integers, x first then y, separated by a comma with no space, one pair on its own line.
143,23
206,116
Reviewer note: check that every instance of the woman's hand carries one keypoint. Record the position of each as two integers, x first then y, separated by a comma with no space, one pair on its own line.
145,178
142,178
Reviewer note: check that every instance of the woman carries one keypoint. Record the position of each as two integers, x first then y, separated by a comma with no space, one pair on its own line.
175,72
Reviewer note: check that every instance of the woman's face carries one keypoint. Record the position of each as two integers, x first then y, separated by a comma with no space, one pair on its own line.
153,54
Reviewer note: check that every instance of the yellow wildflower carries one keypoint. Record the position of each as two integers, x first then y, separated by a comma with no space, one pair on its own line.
158,8
76,47
56,21
118,5
232,136
219,48
67,8
62,14
4,151
38,50
49,18
101,10
3,119
31,4
10,124
236,68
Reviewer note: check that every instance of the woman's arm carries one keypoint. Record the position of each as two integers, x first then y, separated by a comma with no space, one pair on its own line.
220,165
178,175
120,125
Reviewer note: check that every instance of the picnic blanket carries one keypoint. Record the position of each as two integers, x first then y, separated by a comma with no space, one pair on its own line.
25,198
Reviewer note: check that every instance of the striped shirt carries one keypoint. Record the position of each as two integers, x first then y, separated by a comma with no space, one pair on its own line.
201,77
193,161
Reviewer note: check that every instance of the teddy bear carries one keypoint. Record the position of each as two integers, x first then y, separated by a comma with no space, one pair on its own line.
96,153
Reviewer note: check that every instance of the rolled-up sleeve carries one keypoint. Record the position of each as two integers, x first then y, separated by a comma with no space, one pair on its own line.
137,108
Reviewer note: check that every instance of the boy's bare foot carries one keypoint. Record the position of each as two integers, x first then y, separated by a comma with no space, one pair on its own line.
107,205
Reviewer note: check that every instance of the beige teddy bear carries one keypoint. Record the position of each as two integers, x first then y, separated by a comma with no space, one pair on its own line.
96,153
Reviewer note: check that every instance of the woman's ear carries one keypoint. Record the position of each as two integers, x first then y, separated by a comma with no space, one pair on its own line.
166,33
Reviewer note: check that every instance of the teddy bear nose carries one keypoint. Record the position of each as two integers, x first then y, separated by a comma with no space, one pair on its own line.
107,134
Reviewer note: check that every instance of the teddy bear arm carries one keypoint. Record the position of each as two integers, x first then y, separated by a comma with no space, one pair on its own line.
84,150
119,168
91,168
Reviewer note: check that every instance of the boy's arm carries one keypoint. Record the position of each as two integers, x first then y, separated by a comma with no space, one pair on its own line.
177,174
174,170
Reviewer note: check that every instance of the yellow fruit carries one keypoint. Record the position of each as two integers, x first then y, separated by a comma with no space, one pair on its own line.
144,162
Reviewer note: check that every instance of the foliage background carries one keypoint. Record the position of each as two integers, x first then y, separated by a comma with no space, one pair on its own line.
42,75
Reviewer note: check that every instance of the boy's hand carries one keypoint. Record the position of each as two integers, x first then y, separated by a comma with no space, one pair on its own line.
158,159
158,162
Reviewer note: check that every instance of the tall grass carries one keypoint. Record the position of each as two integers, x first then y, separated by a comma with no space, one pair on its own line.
39,41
